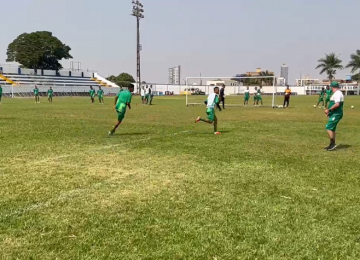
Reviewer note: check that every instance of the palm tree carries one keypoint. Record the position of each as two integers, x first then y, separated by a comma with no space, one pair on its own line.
266,81
354,63
329,64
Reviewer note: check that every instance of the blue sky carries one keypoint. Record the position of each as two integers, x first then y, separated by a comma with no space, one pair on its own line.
212,37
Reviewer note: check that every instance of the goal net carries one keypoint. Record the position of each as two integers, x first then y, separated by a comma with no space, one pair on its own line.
197,89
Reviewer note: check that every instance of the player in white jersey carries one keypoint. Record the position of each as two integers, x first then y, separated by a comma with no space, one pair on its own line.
246,96
211,102
334,113
142,93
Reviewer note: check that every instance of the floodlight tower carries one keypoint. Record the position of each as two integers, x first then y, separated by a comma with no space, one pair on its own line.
138,10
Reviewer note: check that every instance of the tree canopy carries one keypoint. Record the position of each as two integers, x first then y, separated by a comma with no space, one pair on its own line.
354,63
38,50
329,64
123,79
255,81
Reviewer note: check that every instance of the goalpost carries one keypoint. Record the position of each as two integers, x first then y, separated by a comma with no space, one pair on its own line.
197,87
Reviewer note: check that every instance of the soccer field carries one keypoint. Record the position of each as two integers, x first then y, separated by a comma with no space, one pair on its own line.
164,187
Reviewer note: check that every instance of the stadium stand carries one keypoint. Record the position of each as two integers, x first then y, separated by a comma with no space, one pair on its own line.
20,82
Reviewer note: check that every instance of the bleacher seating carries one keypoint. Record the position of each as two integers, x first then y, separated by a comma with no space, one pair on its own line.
50,80
20,82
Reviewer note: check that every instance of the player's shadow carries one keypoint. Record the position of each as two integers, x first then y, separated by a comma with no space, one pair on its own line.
222,132
343,147
130,134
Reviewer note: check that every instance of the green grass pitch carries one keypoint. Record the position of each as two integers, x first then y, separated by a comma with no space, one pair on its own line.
166,188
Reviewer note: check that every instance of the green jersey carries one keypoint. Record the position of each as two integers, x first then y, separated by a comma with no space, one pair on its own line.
50,92
337,97
0,90
322,94
328,93
92,92
36,91
100,92
124,98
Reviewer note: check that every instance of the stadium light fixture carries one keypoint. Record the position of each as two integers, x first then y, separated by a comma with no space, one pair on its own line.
137,11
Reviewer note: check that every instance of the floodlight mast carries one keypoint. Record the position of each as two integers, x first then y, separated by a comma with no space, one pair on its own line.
137,11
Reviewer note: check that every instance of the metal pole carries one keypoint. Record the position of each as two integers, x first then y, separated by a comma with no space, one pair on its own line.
138,53
273,99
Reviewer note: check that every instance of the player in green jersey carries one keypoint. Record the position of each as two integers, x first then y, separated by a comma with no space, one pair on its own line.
211,102
122,100
321,97
92,94
36,95
255,97
328,93
334,113
246,96
259,98
100,94
50,93
0,93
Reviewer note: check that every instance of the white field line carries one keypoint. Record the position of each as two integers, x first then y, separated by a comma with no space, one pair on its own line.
68,195
103,148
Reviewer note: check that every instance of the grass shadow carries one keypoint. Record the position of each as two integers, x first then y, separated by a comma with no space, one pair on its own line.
343,146
7,118
131,134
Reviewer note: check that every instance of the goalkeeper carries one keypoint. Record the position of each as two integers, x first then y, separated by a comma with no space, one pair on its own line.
211,102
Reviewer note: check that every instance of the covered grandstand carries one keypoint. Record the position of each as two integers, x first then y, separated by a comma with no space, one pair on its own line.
20,82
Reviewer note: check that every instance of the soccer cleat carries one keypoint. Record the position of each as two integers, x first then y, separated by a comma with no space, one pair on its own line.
111,132
197,119
217,133
331,147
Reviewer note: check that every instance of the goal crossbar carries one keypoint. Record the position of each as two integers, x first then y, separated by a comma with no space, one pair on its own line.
253,77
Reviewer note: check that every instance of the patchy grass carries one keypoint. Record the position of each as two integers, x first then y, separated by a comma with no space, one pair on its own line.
166,188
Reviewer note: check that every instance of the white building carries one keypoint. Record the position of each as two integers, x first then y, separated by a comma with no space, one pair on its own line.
306,81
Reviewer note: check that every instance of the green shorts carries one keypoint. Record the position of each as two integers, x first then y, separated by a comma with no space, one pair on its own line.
210,114
321,99
246,98
121,111
255,98
50,96
259,98
333,122
327,100
121,114
100,96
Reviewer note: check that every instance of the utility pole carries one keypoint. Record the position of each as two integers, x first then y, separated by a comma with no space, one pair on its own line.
138,13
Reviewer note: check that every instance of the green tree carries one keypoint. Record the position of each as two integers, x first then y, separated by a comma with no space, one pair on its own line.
38,50
122,80
266,81
329,64
354,64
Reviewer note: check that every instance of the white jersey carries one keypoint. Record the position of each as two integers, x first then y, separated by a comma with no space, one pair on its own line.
147,91
247,91
337,97
211,100
142,92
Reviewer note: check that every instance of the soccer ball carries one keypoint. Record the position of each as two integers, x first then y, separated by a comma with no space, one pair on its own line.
352,107
280,106
314,105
